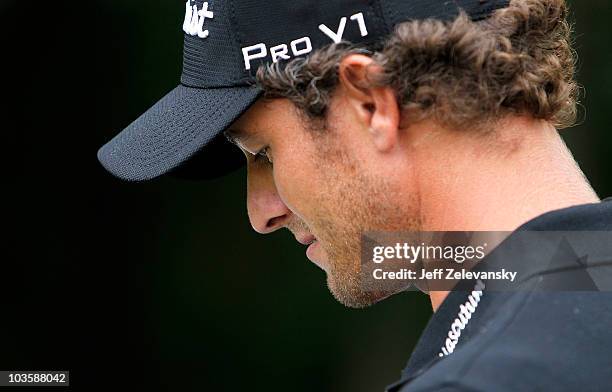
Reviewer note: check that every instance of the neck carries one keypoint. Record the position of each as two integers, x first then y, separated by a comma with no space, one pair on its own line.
498,181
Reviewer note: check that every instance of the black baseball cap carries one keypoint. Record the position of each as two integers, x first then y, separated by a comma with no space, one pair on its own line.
225,42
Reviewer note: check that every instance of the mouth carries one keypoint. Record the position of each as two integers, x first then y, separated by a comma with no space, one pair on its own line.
306,239
311,251
313,245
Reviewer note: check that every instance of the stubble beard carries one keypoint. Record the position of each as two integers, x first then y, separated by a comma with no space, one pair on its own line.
353,204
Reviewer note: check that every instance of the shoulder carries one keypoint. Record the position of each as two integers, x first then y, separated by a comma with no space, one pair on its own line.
536,341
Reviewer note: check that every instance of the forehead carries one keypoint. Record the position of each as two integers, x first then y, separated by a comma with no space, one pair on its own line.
264,116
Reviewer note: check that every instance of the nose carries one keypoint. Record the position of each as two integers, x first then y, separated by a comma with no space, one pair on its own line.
267,212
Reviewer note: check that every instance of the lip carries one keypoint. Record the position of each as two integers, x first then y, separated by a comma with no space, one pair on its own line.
306,239
310,251
313,247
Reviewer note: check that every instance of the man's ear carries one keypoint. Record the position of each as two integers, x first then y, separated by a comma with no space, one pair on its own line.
376,107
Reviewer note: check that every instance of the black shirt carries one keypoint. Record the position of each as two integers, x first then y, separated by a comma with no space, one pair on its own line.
526,340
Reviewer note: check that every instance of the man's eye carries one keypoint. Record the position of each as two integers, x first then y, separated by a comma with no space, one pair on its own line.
264,153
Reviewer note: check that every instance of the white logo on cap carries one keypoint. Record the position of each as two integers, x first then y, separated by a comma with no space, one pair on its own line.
194,19
301,45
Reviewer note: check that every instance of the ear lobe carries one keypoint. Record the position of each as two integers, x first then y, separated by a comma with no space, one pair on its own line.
376,107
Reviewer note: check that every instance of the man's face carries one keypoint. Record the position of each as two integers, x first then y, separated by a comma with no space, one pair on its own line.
323,182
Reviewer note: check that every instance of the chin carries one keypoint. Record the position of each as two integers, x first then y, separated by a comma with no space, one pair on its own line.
350,293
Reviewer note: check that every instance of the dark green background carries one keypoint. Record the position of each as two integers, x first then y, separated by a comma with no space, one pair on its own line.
164,285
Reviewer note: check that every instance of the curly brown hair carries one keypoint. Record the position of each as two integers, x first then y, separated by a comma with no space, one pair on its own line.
460,72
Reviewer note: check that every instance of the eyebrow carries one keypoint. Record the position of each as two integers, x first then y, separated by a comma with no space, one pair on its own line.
241,138
236,136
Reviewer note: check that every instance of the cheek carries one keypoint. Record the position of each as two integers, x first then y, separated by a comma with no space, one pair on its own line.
296,175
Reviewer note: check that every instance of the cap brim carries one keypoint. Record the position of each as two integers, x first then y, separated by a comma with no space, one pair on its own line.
174,130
